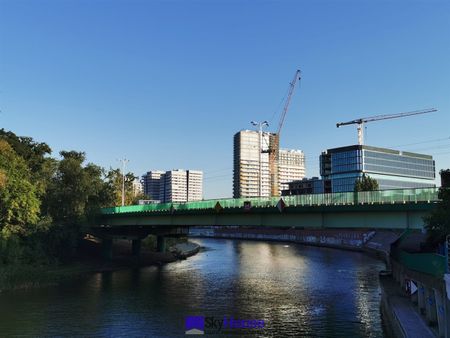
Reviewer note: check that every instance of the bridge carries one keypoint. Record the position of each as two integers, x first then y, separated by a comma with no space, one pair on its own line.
384,209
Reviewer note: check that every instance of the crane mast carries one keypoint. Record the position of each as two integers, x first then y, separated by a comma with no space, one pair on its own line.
361,121
288,99
274,140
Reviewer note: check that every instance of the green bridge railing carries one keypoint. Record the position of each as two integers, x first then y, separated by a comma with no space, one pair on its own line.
428,195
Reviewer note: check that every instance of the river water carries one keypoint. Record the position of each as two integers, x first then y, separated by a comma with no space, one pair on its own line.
298,291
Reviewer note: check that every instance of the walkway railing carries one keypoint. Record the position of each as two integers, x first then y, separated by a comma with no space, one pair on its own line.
404,196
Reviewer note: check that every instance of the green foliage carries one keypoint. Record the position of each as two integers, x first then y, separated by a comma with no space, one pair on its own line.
35,156
19,202
366,183
76,191
138,197
44,202
115,181
438,223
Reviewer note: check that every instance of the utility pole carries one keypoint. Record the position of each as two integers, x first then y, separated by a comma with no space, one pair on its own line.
260,135
124,161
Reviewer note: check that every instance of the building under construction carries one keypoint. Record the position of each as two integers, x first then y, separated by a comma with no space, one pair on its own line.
256,172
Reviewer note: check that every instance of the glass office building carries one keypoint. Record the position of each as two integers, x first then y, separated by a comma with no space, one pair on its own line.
392,169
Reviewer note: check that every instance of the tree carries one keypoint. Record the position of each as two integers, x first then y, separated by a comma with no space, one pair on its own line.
76,191
36,157
366,183
437,223
45,202
114,178
19,200
74,197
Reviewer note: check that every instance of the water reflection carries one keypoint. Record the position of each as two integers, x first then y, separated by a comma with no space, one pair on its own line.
298,291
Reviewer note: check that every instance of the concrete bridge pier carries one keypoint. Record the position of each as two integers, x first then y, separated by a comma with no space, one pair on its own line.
421,297
107,244
160,243
136,247
430,306
446,302
440,311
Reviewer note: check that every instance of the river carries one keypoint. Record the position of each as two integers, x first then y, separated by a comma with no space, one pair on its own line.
298,291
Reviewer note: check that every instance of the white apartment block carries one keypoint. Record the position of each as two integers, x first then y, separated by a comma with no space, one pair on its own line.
174,186
251,175
137,187
194,185
291,167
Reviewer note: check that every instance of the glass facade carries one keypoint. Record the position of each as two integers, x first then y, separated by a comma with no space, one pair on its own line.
398,164
391,168
346,161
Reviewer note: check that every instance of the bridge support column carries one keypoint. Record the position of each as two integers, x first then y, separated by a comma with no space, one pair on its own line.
160,244
136,247
107,248
421,297
440,311
447,315
430,306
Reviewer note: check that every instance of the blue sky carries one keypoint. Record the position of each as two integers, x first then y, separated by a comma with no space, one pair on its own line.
166,84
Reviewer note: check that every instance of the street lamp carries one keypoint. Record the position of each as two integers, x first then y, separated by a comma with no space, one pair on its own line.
124,161
260,126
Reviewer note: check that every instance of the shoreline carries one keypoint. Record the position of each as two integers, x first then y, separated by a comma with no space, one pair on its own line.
23,277
89,262
375,251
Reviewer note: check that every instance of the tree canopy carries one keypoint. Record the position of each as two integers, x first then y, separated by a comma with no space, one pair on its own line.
45,202
366,183
19,199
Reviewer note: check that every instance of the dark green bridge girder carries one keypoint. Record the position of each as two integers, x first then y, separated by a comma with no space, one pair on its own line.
394,215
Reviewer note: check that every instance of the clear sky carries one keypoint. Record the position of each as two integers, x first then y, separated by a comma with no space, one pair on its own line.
166,84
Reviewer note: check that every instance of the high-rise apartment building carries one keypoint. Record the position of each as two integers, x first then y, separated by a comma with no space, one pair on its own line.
174,185
152,184
251,177
291,167
194,185
251,172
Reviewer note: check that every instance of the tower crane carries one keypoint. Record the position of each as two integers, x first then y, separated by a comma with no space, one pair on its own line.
274,139
361,121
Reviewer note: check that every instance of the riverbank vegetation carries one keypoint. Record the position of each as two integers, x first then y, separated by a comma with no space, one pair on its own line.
45,202
438,223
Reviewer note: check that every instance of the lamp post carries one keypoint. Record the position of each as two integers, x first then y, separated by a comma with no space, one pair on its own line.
124,161
260,126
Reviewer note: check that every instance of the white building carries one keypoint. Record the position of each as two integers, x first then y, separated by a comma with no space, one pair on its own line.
251,174
174,185
291,167
194,185
137,187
